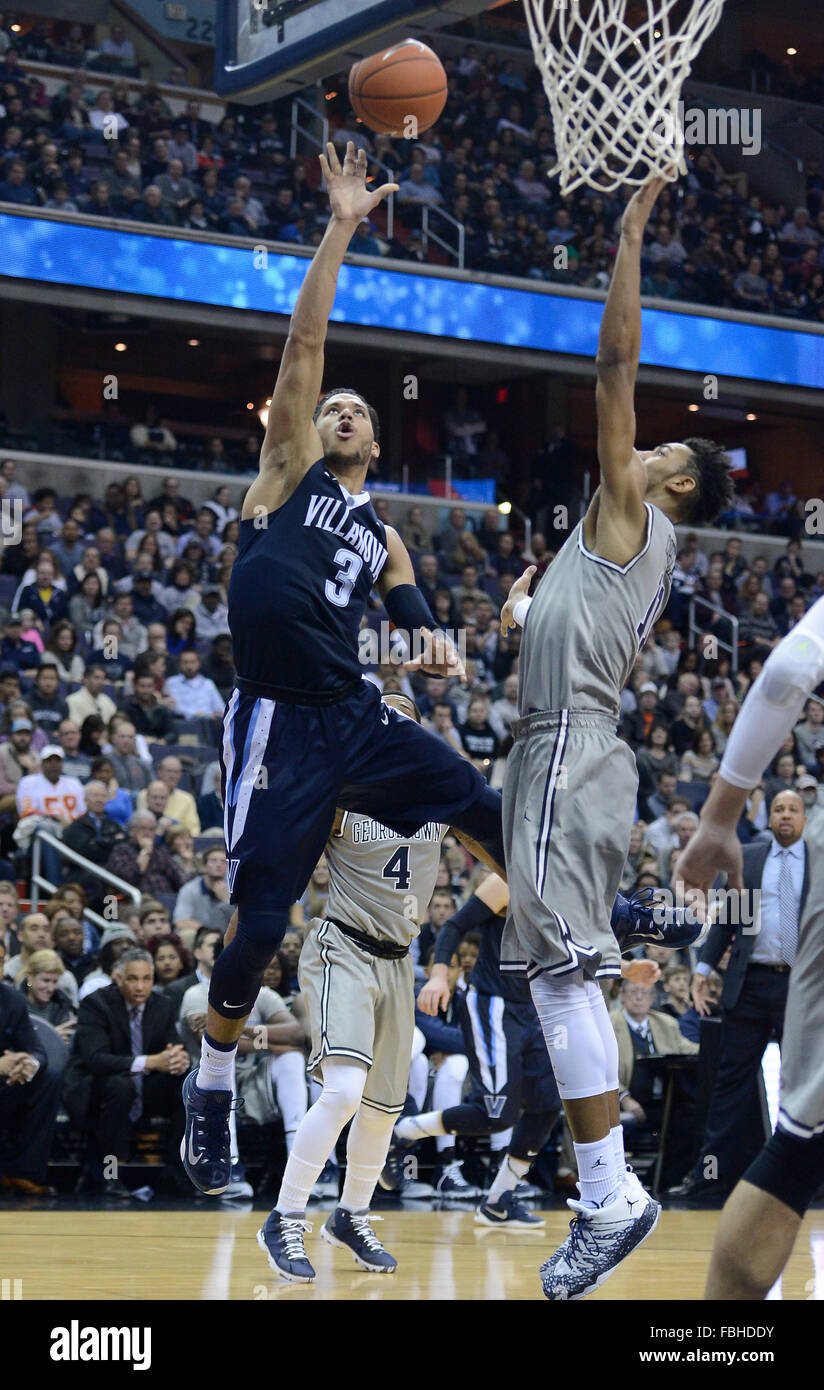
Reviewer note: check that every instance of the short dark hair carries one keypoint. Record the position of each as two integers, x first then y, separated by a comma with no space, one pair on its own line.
710,465
349,391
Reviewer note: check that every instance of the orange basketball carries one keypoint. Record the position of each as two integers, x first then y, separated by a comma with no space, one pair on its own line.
401,91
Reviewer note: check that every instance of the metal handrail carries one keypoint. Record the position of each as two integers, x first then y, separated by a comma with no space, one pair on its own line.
38,881
297,128
458,252
695,631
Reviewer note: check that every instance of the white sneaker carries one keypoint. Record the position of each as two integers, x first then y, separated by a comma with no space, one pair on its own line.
599,1239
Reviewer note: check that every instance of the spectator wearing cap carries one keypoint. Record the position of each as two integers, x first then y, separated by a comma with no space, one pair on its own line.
115,940
91,699
17,760
48,707
49,792
636,725
718,694
211,616
181,147
15,650
144,861
145,591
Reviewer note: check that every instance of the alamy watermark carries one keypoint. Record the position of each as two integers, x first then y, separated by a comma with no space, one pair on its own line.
717,125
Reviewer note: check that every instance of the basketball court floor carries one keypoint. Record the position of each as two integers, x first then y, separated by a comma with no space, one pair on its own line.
173,1254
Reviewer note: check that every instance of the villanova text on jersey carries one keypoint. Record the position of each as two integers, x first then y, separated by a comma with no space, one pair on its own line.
300,585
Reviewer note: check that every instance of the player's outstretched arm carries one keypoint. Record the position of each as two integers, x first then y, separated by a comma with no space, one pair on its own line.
771,708
623,480
408,610
292,444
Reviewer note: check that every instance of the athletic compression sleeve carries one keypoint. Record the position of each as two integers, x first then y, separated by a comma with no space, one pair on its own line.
473,914
774,704
408,609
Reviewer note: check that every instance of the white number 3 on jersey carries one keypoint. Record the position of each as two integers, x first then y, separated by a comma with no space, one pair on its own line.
339,589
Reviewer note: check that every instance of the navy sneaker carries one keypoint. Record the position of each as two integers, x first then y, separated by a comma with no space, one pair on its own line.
640,919
453,1186
205,1149
281,1239
351,1230
328,1183
508,1211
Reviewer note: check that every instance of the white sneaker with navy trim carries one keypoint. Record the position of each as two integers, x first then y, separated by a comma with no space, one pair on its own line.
599,1239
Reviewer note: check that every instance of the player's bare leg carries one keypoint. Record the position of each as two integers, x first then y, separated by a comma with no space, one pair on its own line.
743,1268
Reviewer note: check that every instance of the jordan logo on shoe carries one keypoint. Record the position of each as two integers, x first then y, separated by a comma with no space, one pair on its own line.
632,1204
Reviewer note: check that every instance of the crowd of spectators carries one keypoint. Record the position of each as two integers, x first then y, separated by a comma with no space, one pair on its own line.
115,662
119,151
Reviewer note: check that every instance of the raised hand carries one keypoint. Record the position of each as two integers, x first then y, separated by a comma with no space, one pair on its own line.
640,205
519,590
351,200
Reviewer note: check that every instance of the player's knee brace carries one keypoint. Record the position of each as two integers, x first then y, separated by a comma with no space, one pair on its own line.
793,669
568,1012
343,1083
237,973
531,1133
790,1169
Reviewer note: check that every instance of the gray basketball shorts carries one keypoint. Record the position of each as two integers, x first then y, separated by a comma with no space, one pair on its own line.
569,797
359,1006
801,1108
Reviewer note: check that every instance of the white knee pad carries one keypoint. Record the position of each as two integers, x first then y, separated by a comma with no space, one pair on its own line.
570,1012
343,1083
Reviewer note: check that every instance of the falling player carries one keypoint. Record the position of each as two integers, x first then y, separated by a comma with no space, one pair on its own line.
303,733
513,1080
760,1221
570,783
357,983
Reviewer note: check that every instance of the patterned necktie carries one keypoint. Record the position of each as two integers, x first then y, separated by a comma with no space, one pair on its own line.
136,1031
788,912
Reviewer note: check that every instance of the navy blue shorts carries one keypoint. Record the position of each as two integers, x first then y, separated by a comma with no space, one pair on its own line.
286,768
508,1061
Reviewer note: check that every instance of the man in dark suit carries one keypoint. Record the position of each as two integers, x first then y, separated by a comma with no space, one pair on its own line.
754,994
203,950
29,1098
127,1063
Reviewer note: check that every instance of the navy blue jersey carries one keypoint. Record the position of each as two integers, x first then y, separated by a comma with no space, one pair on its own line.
486,973
300,585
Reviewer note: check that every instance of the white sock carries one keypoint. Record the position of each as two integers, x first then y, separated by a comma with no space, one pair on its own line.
318,1132
508,1176
616,1134
445,1143
217,1067
366,1150
420,1126
596,1171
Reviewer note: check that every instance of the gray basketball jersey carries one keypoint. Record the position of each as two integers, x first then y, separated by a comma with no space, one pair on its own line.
380,882
589,619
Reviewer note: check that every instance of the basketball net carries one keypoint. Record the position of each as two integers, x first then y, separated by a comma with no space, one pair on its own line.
613,89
